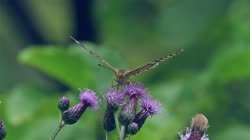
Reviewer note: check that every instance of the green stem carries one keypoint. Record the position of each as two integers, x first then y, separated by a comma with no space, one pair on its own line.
107,135
129,137
122,133
58,129
61,125
116,123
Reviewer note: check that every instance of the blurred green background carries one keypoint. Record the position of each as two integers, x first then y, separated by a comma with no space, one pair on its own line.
40,63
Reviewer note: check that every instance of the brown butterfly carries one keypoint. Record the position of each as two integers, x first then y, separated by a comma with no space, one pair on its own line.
122,76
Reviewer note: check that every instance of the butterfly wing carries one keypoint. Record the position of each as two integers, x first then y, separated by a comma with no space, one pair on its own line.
151,64
96,55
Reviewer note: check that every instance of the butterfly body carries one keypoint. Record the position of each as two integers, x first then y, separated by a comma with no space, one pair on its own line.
122,76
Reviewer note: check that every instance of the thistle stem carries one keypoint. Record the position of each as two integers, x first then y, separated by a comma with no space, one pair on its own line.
107,135
129,137
116,123
58,129
122,133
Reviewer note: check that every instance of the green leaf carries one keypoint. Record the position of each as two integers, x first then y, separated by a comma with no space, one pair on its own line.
67,65
24,102
231,64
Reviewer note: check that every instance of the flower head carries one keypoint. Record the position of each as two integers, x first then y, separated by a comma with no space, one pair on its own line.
150,107
135,90
189,135
2,130
89,97
114,99
63,103
197,131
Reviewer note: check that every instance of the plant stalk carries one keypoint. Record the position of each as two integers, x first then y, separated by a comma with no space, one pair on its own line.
58,129
107,135
117,123
122,133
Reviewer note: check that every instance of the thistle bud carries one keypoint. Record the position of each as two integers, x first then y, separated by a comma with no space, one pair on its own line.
73,114
132,128
199,123
128,112
63,103
198,128
109,121
2,130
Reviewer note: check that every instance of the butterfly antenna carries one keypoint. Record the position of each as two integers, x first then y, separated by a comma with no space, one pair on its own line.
94,54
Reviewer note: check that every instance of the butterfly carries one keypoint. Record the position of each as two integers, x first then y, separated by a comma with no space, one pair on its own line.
122,76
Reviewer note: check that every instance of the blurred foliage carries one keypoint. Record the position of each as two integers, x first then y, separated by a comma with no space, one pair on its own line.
73,72
211,76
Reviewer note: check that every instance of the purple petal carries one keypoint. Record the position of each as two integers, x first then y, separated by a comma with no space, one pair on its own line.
135,90
88,96
150,106
114,96
187,135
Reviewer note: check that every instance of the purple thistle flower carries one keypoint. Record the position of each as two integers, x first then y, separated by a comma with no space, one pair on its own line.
114,99
149,107
189,135
89,97
197,131
63,103
135,90
2,130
